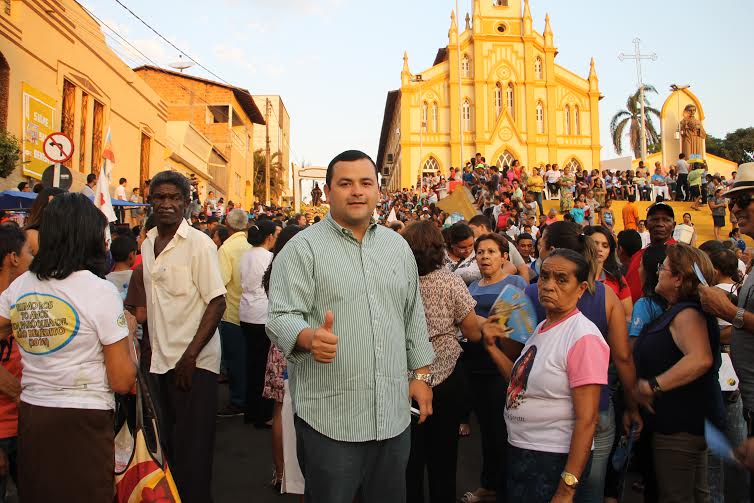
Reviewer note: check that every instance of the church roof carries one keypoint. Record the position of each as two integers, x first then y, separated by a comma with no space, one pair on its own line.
442,55
387,119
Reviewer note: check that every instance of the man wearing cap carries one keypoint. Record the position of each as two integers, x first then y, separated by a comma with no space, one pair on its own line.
660,224
718,303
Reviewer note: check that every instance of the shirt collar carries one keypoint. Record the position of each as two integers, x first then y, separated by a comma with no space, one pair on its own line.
182,231
342,230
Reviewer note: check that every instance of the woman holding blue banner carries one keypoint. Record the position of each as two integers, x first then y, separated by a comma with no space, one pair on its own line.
552,404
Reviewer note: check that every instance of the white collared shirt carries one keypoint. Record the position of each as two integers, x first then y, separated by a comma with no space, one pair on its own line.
179,284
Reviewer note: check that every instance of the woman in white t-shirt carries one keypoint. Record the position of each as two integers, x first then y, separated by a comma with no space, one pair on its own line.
76,350
552,404
252,311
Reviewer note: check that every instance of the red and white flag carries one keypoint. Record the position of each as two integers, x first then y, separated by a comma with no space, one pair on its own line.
102,192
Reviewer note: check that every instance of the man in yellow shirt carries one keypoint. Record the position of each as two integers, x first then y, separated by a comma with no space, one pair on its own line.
231,335
630,214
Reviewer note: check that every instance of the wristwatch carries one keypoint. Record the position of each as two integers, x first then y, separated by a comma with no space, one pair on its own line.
656,389
569,479
427,378
738,320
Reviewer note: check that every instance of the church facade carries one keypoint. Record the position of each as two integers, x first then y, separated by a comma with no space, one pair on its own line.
502,95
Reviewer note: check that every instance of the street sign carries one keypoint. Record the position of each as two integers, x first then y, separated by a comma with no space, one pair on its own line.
57,176
58,147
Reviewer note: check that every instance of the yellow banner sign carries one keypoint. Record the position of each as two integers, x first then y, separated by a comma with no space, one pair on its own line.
38,122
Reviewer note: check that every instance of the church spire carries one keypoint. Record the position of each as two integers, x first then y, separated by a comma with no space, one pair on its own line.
453,32
468,21
405,73
593,80
548,32
527,18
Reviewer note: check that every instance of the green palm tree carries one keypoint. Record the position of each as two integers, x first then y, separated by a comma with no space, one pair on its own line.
277,172
631,117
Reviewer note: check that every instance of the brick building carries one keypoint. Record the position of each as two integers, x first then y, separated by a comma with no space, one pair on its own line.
224,114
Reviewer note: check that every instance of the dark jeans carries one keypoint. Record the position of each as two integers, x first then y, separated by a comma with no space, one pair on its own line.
434,444
749,417
187,427
534,476
10,447
234,354
258,408
682,187
337,472
538,198
488,402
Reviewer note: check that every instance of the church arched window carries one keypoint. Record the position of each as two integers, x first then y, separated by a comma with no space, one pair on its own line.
505,159
576,120
540,118
538,73
431,165
435,117
424,116
567,113
498,99
466,66
573,164
510,100
466,115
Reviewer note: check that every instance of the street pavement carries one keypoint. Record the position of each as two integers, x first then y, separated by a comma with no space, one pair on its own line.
243,463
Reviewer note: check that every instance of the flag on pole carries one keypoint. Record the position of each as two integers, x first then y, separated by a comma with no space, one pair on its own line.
102,193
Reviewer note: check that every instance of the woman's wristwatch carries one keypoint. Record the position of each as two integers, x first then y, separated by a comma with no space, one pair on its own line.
569,479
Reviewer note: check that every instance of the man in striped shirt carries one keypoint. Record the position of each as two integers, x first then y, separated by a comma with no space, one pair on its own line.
345,309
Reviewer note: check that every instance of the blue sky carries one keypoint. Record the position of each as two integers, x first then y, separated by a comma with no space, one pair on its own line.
333,61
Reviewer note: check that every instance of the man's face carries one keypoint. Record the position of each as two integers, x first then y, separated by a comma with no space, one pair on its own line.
744,215
525,247
168,204
353,192
301,221
660,226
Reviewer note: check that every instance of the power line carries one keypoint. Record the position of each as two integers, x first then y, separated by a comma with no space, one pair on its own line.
169,42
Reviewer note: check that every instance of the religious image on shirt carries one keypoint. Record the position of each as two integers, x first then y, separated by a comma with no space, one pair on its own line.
520,379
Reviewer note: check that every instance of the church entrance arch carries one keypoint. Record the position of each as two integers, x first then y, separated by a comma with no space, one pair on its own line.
505,159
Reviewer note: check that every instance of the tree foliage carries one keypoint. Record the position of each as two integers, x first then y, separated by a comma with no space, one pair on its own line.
10,153
627,122
277,173
737,146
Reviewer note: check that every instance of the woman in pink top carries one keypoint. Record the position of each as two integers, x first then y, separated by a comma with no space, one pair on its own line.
552,404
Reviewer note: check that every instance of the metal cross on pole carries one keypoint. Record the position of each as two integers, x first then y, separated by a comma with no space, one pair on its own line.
638,56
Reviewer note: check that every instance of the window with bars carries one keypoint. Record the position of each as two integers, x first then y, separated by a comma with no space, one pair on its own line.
466,115
538,68
576,120
567,113
466,66
435,117
498,99
510,99
540,118
424,116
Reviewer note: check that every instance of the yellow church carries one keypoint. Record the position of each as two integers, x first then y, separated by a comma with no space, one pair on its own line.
501,95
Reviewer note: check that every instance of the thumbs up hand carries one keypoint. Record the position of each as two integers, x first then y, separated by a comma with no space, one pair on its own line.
324,341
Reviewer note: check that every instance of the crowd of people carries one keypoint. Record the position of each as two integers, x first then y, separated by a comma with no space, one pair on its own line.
379,325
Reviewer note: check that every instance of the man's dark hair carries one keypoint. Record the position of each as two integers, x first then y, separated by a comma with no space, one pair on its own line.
630,241
681,155
121,181
71,238
348,156
632,198
122,247
90,178
174,178
524,235
22,186
37,188
212,220
459,231
12,239
480,221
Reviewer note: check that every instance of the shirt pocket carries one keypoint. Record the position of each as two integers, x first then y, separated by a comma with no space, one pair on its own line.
175,279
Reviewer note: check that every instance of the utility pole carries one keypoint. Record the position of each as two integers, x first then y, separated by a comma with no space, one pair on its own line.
267,154
460,95
638,56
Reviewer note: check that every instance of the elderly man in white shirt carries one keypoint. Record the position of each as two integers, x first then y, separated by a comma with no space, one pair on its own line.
185,301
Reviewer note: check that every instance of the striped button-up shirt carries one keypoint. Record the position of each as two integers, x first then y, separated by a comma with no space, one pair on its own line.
372,288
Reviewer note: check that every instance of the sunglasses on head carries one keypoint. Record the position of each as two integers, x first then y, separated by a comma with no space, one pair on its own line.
742,201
